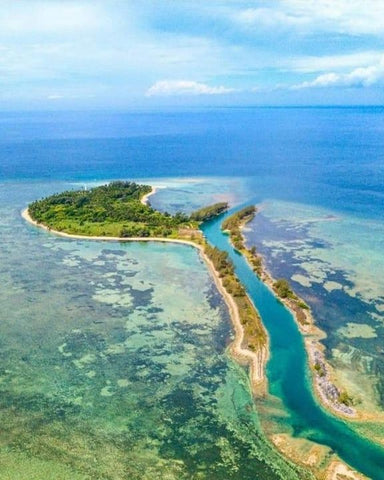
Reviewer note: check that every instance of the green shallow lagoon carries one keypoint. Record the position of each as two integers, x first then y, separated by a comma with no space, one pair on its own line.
113,363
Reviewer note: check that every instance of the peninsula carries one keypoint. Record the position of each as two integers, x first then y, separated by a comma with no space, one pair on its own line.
120,211
332,397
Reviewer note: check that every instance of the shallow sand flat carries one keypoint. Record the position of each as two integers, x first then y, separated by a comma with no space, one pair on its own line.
166,324
335,266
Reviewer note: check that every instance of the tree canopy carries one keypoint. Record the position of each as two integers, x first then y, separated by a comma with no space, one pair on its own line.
206,213
117,210
113,210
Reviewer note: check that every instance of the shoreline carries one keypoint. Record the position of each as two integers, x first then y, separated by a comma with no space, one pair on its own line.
145,199
311,335
255,360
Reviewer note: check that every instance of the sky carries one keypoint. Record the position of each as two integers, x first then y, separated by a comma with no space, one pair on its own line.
154,53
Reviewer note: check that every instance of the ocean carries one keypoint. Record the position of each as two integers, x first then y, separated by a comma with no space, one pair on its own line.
122,343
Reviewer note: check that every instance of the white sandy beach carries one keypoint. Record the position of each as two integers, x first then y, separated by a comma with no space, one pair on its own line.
256,360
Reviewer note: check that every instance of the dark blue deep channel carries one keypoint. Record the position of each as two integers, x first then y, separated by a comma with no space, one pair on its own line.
288,373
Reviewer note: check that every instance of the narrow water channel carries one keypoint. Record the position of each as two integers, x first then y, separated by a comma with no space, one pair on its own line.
288,373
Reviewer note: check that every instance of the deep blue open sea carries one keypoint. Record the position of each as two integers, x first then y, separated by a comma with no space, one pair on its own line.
106,373
332,157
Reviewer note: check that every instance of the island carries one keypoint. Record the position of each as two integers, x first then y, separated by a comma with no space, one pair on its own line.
120,211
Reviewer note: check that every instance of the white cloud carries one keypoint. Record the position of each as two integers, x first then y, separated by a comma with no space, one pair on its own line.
267,17
38,17
113,50
106,47
359,77
309,16
185,87
313,64
68,43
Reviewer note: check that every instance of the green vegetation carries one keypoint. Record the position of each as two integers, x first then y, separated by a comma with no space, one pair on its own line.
224,267
110,210
256,263
345,398
302,305
206,213
319,369
254,334
244,215
233,225
283,289
116,210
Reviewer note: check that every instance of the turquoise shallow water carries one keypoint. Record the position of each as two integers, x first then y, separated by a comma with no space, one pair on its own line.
335,261
289,377
338,154
113,362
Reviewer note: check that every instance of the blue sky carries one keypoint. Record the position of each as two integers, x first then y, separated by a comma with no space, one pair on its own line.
147,53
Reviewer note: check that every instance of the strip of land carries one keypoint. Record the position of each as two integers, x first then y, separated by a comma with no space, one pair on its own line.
330,393
317,457
253,355
301,451
145,199
250,345
242,314
120,211
323,378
